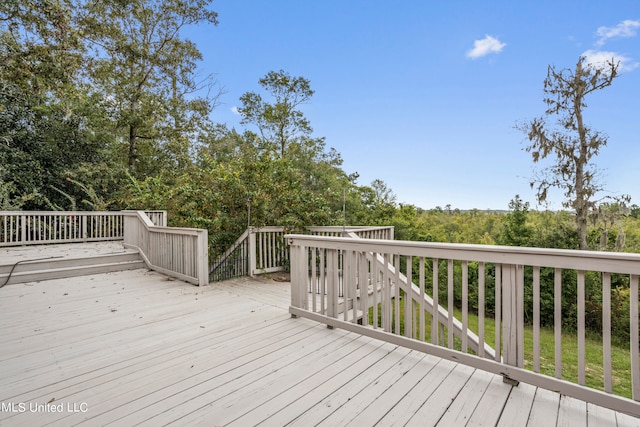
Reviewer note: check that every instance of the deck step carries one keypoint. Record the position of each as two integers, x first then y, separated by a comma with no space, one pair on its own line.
60,267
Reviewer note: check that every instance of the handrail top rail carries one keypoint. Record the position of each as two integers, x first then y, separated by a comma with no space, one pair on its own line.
171,230
268,228
53,213
618,262
349,227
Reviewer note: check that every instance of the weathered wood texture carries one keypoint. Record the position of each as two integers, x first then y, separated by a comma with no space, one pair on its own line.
371,276
136,348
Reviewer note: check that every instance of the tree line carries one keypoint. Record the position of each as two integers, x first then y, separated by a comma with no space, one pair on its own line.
103,107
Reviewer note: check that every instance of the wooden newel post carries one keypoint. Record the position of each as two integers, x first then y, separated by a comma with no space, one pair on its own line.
23,228
252,251
512,286
84,232
298,275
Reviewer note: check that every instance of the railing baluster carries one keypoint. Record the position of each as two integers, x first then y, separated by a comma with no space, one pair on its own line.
606,331
334,282
353,260
274,249
498,311
313,279
435,317
557,319
260,240
423,313
323,281
408,302
396,288
346,285
481,309
386,296
536,319
364,286
465,305
450,295
520,313
581,329
634,336
376,288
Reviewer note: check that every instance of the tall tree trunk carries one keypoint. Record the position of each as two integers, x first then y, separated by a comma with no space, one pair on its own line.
133,135
582,206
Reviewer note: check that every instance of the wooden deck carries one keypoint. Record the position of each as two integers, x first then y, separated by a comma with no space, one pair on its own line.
137,348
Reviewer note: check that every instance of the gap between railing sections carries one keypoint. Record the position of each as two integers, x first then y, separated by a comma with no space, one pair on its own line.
449,276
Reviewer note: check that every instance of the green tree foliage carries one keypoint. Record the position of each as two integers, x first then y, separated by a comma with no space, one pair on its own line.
515,230
572,145
144,72
235,184
41,48
43,104
91,88
279,123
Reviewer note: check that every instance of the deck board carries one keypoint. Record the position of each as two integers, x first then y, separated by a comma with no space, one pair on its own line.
518,406
405,409
134,348
492,403
544,410
375,394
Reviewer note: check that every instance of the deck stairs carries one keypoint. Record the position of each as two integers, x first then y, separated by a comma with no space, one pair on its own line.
67,263
413,291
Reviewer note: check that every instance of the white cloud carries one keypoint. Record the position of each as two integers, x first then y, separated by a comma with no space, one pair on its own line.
626,28
485,46
234,110
599,58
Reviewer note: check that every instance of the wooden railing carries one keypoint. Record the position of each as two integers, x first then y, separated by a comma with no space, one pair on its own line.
265,250
272,250
231,262
363,232
176,252
377,303
36,228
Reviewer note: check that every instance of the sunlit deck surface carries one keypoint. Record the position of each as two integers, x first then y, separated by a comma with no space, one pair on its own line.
12,254
136,348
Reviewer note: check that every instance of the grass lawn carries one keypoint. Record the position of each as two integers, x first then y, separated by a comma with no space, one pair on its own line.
620,356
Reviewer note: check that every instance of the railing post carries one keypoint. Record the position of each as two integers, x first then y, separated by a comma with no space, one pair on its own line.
332,279
252,251
203,258
511,328
298,276
23,228
83,230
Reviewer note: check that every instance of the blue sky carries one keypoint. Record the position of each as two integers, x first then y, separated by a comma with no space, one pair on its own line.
424,95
